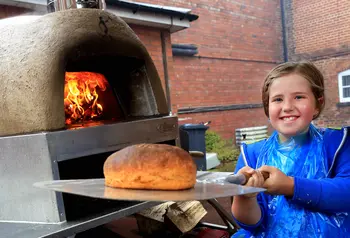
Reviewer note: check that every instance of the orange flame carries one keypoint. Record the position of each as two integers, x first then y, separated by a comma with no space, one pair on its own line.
80,96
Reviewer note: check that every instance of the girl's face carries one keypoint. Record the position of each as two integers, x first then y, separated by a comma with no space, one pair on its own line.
292,105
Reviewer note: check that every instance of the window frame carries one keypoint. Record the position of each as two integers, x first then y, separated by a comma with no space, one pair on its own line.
341,87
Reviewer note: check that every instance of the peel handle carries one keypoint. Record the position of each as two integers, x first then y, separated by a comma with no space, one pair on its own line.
242,178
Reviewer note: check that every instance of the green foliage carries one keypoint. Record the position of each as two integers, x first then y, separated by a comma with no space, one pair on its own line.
224,148
225,167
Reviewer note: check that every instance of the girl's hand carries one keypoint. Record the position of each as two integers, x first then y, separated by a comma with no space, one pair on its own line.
256,179
278,183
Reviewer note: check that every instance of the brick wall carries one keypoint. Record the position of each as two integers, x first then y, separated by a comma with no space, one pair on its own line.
10,11
335,114
318,30
321,27
238,43
214,82
225,122
232,29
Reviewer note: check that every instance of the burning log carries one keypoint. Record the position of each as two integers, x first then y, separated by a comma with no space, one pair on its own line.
81,96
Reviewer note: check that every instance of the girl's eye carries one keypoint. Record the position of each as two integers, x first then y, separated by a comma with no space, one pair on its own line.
299,97
277,100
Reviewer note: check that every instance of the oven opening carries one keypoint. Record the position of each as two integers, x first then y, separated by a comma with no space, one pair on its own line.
106,89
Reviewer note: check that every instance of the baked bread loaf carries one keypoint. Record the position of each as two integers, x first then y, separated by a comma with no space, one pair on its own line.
150,166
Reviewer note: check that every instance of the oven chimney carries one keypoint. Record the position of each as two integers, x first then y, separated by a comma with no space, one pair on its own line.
59,5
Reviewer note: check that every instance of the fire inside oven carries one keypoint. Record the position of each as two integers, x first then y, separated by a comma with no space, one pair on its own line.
105,89
86,98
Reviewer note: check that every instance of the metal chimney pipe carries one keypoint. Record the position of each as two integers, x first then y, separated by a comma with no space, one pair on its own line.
59,5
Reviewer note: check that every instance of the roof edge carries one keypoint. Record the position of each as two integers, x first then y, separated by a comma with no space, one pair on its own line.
134,6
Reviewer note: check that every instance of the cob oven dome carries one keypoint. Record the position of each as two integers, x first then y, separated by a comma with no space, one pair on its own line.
34,55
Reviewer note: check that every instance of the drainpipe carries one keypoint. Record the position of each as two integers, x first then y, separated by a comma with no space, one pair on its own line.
284,37
165,68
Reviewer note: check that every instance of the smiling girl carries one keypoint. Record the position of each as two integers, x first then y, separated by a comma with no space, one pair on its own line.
308,189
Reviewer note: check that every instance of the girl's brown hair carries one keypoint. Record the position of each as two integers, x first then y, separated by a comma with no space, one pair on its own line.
305,69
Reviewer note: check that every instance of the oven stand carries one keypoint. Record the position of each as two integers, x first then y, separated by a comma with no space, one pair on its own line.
231,224
70,228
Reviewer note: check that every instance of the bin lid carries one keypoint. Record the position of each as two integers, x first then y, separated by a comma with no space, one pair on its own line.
194,127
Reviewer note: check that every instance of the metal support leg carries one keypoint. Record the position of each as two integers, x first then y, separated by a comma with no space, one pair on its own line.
226,217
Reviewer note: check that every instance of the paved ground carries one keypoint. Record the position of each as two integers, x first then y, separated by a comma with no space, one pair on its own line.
212,216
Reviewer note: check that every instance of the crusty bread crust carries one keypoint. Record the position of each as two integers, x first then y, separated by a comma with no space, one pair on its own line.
150,166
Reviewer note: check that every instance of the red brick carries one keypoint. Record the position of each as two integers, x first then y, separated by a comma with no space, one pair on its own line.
10,11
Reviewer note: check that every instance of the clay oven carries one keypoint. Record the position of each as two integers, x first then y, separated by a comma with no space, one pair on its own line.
76,85
41,54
